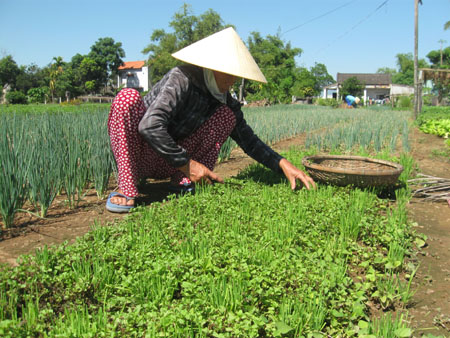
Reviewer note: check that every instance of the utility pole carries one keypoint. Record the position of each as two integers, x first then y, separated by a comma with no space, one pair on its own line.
416,62
441,42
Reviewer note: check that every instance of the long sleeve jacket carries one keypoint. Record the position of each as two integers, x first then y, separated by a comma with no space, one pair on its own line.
179,104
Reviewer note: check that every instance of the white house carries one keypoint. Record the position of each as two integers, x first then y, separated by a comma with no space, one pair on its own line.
401,90
376,86
133,74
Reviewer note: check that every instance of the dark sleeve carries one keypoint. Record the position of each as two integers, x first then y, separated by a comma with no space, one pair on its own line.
170,95
252,145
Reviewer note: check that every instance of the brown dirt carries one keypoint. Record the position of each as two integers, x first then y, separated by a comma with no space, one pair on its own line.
430,310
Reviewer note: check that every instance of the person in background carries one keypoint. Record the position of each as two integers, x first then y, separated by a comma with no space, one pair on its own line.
176,131
352,102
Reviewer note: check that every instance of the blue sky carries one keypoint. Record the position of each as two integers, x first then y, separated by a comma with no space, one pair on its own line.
348,36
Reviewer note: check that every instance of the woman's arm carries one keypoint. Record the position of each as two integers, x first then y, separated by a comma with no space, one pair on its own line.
166,98
252,145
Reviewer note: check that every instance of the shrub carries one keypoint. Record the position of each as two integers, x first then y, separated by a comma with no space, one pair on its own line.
118,89
73,102
426,100
404,102
37,95
328,102
437,111
433,113
16,97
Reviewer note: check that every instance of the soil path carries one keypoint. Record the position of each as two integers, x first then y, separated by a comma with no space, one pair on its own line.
430,311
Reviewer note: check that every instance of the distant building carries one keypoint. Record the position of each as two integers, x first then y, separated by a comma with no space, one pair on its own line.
377,87
133,74
401,90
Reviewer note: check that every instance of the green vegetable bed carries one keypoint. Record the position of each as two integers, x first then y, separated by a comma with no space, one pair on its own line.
248,260
437,127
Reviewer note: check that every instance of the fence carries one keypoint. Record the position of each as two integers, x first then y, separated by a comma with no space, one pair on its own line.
97,99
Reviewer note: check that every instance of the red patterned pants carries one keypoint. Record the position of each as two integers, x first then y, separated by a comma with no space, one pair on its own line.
136,159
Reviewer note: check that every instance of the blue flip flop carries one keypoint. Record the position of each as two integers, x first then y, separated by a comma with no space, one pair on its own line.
117,207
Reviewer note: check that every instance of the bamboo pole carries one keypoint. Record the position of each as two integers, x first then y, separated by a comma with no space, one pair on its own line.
430,188
416,47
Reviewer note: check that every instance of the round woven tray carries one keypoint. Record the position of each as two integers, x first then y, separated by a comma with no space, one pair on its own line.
352,170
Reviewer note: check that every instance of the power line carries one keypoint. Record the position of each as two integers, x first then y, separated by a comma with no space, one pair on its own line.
356,25
318,17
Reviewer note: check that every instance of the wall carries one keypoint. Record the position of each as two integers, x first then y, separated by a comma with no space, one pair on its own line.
138,78
402,90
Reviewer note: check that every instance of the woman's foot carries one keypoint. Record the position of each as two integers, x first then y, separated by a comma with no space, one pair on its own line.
118,202
122,200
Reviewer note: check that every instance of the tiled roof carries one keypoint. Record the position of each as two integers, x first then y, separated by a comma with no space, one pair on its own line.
367,79
132,65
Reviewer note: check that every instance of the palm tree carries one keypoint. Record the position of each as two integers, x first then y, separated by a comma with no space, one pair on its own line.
56,70
447,25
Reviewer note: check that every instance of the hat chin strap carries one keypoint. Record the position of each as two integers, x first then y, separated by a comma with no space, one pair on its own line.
211,84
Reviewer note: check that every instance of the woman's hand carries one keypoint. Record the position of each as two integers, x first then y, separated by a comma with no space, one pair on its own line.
198,173
292,173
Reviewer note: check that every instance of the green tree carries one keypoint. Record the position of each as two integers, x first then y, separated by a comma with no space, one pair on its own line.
9,71
89,72
352,86
208,23
16,97
405,74
160,60
323,79
76,71
76,60
184,23
30,77
435,58
305,83
188,29
387,70
440,60
108,55
277,62
90,85
65,83
447,25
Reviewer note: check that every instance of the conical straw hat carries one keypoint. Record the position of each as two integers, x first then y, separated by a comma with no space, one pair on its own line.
225,52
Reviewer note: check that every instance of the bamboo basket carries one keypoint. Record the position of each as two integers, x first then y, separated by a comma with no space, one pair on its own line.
352,170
